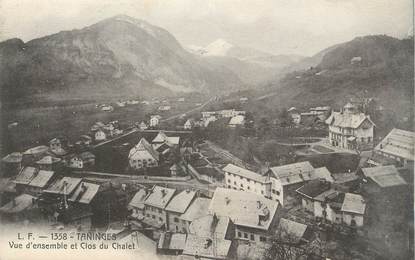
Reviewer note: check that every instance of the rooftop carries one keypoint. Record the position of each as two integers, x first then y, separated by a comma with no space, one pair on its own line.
384,176
348,120
159,197
172,241
85,193
181,201
41,179
244,208
399,143
291,230
294,173
142,149
138,200
354,203
207,247
237,120
37,150
58,187
230,168
210,226
26,175
323,173
15,157
48,160
197,209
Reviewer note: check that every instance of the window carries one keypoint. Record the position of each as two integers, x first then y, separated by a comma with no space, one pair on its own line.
160,219
177,229
239,234
184,230
176,220
229,186
229,181
148,215
184,222
249,188
263,239
242,185
252,237
262,192
154,217
160,211
234,182
277,192
245,235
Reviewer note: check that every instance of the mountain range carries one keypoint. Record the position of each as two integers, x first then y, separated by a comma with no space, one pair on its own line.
124,56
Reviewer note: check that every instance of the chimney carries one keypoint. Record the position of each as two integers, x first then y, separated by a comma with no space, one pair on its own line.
259,204
227,200
163,192
123,186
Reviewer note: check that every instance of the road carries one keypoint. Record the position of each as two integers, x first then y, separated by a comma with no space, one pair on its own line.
189,111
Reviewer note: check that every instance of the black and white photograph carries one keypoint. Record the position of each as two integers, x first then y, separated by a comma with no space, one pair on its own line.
207,129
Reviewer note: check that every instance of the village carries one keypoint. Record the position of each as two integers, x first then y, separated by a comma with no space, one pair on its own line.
314,183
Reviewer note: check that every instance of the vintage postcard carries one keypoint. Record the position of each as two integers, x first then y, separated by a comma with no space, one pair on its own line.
207,129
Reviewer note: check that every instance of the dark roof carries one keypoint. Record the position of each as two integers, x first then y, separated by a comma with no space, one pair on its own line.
314,188
210,171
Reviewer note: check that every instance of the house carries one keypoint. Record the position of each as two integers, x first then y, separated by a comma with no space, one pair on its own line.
197,209
322,200
107,108
162,138
396,148
188,125
171,243
176,207
207,114
65,186
143,126
142,156
164,108
238,178
98,125
49,163
181,99
84,193
81,161
254,216
205,121
287,178
353,210
40,182
243,99
293,232
231,113
154,206
24,177
137,204
100,135
210,237
154,120
85,139
11,164
350,129
34,154
238,120
382,179
55,144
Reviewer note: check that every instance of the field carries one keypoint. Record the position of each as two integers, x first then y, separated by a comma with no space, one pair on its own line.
38,124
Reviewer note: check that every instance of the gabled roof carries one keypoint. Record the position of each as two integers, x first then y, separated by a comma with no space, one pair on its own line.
210,226
26,175
48,160
237,120
323,173
87,155
58,187
159,197
20,203
143,146
399,143
85,193
197,209
7,185
244,208
37,150
181,201
231,168
15,157
353,203
161,137
291,230
207,247
138,200
293,173
172,241
348,120
41,179
384,176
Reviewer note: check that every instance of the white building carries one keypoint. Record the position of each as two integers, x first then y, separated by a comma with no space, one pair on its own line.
238,120
350,129
100,135
155,120
396,148
143,156
189,124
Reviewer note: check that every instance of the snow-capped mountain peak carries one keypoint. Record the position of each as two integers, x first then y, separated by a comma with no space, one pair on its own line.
220,47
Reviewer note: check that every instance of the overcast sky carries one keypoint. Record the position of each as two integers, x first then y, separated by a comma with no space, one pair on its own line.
277,26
